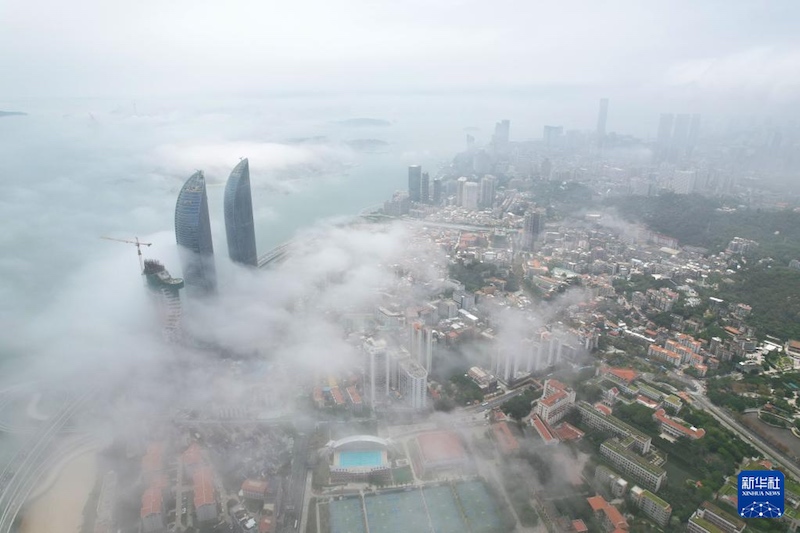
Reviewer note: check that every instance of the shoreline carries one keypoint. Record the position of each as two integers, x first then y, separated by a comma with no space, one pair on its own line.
59,502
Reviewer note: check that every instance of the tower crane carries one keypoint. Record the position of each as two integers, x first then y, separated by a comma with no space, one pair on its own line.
138,244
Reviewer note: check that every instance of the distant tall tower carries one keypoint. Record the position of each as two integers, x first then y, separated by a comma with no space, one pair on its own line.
414,183
437,191
462,181
664,139
165,289
601,122
487,191
193,235
239,225
424,189
680,137
502,133
694,133
531,227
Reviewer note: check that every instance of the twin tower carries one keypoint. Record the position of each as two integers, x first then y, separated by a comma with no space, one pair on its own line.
193,228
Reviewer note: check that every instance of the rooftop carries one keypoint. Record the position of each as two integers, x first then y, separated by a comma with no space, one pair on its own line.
615,446
151,502
203,488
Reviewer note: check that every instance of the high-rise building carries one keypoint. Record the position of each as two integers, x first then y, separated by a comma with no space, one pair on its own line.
531,227
684,181
680,137
502,133
437,191
412,383
193,235
421,344
471,195
424,190
664,138
376,370
462,181
239,225
694,133
487,191
414,182
166,292
601,121
551,135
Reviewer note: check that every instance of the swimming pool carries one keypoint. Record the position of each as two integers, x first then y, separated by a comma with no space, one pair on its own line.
363,458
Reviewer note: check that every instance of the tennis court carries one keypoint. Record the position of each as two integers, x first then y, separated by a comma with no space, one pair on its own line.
397,512
347,516
430,510
445,513
479,507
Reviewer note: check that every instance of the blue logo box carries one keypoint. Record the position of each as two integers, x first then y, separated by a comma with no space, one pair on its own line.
761,494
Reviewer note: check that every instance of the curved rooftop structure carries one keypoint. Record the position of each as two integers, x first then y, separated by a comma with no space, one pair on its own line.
355,439
239,226
193,235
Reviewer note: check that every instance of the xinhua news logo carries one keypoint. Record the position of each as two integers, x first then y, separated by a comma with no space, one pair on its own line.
761,494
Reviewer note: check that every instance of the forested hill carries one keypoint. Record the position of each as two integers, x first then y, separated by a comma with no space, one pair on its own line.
698,221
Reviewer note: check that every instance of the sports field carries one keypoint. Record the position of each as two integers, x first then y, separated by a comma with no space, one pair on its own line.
463,507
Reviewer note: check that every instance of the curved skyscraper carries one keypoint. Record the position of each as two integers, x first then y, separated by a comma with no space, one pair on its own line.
193,234
239,225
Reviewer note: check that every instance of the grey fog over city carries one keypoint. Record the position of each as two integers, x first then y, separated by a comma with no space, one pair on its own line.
391,267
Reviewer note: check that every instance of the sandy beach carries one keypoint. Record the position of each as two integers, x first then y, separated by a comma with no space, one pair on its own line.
60,509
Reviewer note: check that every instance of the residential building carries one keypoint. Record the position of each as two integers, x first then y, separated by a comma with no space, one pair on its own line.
425,188
608,515
488,184
654,507
471,195
412,383
675,429
255,489
421,344
556,401
711,519
632,464
596,419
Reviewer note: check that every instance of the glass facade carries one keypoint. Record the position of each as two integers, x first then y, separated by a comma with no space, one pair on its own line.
239,225
193,234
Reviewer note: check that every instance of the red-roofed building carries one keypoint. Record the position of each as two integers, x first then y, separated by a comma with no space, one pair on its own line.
556,401
675,429
153,462
192,457
543,431
205,502
628,375
319,399
610,516
152,512
337,396
606,410
255,489
579,526
647,402
566,431
505,439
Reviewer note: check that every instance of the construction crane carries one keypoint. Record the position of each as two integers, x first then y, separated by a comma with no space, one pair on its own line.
138,244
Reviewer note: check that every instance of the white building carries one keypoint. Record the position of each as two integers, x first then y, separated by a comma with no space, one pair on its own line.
412,383
471,195
556,401
421,344
376,370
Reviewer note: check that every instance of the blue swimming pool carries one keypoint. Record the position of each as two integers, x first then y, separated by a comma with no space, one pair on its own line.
356,459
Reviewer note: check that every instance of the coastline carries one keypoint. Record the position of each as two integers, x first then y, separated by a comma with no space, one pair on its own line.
59,509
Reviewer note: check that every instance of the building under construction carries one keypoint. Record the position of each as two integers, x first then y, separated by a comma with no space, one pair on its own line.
166,290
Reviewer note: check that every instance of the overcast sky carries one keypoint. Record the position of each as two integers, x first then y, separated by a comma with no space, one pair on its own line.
747,50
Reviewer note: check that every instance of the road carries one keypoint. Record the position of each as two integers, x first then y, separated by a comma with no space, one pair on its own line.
23,471
780,459
295,488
